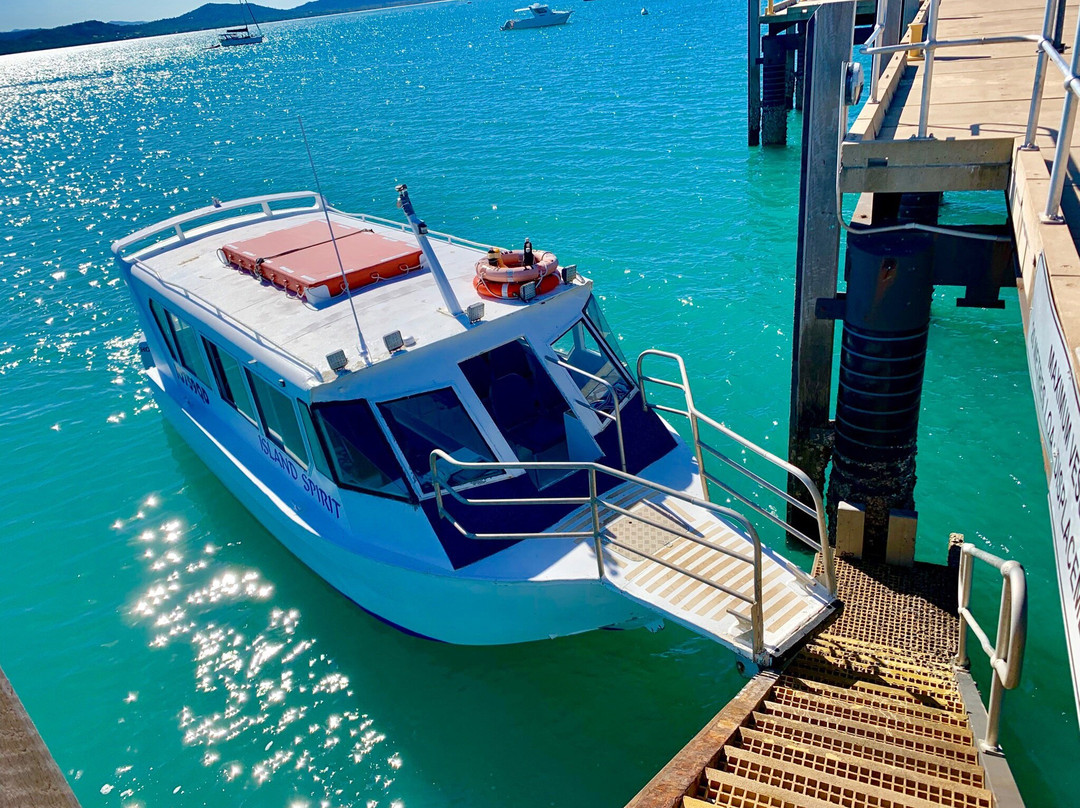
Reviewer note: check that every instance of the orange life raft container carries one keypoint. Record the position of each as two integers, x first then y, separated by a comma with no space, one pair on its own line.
502,274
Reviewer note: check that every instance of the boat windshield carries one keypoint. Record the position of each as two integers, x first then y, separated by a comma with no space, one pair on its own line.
587,351
524,403
436,420
360,454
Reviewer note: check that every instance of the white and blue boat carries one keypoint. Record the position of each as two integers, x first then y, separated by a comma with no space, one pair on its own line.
461,450
241,35
542,17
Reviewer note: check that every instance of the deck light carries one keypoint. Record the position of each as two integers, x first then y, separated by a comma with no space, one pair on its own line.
528,291
475,312
569,273
337,361
393,341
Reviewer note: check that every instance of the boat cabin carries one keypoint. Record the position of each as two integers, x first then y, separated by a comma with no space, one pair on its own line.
249,341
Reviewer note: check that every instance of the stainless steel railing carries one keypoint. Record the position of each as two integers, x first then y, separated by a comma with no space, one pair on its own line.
1046,50
615,416
215,218
1007,653
698,419
598,507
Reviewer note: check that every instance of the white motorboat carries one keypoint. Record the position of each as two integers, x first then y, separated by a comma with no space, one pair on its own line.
542,17
447,433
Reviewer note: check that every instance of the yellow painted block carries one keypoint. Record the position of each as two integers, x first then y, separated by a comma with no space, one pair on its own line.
850,529
900,544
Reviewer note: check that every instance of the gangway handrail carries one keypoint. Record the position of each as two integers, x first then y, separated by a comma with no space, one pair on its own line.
1046,49
696,417
175,229
1007,653
597,534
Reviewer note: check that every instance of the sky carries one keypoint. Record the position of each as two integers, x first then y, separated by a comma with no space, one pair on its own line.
50,13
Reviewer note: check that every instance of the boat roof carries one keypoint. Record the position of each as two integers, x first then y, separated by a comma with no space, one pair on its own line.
189,270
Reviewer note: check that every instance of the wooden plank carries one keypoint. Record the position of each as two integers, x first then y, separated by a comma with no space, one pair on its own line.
961,164
28,774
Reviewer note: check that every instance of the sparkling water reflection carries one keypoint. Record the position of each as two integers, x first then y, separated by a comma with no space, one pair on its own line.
170,651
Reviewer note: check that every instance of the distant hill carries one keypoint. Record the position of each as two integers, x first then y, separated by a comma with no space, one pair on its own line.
209,16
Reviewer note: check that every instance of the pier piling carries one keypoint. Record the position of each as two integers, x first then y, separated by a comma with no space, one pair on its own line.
828,46
883,354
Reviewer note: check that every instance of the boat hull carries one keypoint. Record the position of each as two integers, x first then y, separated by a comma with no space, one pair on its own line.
554,18
449,607
247,40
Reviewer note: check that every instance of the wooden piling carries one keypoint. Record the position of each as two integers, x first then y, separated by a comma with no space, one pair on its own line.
828,46
753,72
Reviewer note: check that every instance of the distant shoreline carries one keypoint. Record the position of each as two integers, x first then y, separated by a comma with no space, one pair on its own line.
204,18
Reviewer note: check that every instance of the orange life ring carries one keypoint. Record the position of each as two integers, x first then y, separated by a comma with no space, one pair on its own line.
512,290
511,268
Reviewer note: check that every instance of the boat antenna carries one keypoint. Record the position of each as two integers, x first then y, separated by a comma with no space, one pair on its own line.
333,240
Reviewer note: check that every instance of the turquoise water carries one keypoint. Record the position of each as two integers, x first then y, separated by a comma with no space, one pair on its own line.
171,652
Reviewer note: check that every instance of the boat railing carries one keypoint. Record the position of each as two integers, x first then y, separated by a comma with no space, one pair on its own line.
599,507
612,396
1046,49
407,228
216,218
1007,653
702,449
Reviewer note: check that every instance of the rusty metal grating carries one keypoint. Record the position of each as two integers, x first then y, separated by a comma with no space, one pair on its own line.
878,734
957,733
912,610
929,690
811,784
906,706
900,782
735,795
913,762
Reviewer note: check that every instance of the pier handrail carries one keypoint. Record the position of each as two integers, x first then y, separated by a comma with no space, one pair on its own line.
1007,653
697,418
1046,48
596,504
177,230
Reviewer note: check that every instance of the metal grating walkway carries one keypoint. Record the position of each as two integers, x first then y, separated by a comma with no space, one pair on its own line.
868,714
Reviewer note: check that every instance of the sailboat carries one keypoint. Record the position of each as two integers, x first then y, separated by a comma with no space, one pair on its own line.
242,35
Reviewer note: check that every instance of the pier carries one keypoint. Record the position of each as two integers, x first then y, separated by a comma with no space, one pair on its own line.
28,774
878,707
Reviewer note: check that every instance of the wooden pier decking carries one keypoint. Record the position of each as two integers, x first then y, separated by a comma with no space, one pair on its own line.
28,774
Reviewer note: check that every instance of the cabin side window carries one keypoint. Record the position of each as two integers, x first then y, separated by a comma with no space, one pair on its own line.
595,316
163,326
437,420
601,379
230,379
278,418
185,342
318,455
361,456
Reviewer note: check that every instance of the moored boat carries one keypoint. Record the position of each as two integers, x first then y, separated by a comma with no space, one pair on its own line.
241,35
473,469
542,17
